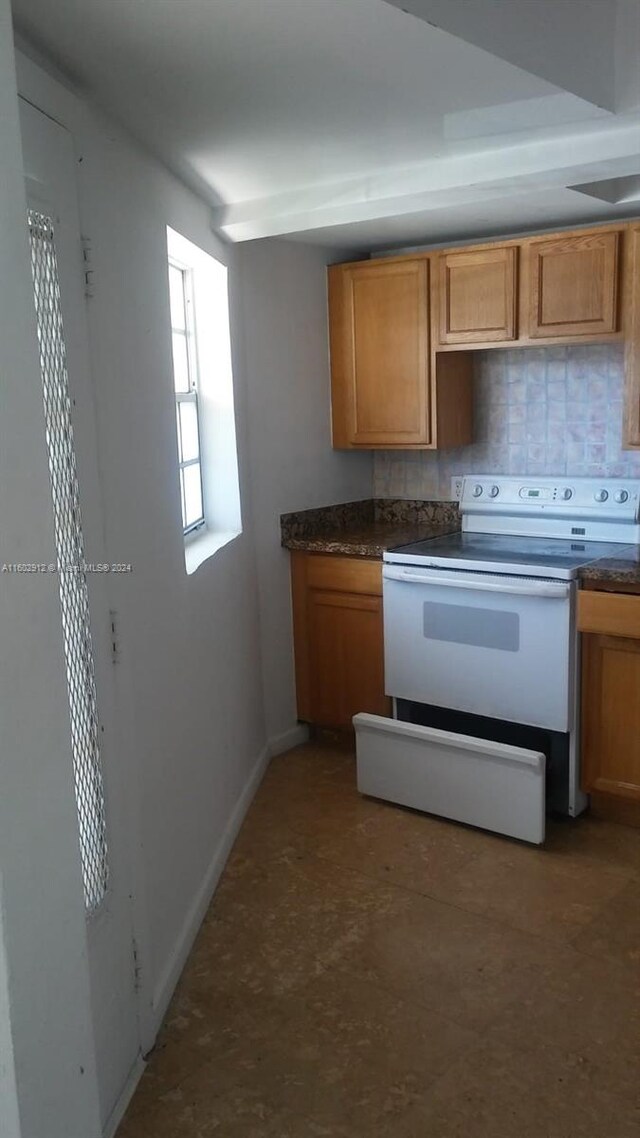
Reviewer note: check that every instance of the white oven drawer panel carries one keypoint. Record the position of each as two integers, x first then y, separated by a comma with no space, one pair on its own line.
484,784
487,645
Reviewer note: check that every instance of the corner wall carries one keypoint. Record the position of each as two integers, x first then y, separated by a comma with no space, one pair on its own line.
286,364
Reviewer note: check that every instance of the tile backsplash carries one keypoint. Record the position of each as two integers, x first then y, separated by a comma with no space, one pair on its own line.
537,411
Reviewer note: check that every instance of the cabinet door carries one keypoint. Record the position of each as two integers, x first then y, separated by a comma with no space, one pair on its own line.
380,354
573,285
477,296
611,716
346,669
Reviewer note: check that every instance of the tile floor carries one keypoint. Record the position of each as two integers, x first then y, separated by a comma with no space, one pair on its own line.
369,972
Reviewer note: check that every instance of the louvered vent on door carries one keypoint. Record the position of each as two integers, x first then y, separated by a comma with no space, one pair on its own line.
74,593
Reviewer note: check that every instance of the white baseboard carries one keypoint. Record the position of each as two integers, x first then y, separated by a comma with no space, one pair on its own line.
289,739
166,984
119,1110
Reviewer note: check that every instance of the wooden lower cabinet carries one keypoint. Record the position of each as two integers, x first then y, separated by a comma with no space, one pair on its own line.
338,638
610,627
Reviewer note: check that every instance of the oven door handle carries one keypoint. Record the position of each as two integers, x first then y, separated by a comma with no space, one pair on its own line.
531,588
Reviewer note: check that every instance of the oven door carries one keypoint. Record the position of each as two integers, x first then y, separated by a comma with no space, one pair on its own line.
482,643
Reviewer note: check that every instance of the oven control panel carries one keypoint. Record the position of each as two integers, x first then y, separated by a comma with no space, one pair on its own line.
607,495
605,509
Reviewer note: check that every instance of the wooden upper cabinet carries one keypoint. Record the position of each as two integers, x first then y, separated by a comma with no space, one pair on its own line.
573,285
477,295
379,328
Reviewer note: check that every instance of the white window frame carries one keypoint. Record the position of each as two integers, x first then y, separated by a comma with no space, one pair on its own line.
191,395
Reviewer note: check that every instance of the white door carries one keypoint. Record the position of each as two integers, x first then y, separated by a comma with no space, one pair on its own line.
481,643
57,252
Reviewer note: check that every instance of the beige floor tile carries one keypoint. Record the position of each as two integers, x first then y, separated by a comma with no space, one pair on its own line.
353,1055
581,1004
614,933
132,1129
196,1110
532,891
588,841
315,762
299,900
318,803
463,965
412,850
283,924
229,1035
492,1092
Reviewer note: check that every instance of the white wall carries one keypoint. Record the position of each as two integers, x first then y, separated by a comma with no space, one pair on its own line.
48,1085
189,677
284,318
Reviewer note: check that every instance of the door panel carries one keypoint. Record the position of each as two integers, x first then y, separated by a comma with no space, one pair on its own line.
346,654
479,648
611,715
477,296
50,177
388,344
573,285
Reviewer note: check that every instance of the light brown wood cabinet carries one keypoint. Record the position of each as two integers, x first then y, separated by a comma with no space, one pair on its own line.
338,639
610,627
403,329
380,328
573,284
388,389
477,295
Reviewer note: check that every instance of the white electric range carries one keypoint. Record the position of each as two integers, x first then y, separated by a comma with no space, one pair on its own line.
481,653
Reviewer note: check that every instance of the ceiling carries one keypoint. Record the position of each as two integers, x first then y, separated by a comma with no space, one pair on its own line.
351,120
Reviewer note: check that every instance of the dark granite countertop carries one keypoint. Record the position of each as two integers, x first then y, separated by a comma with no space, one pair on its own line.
624,569
367,528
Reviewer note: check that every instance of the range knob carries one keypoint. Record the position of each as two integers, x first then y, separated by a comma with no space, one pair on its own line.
477,490
494,491
621,496
566,494
601,495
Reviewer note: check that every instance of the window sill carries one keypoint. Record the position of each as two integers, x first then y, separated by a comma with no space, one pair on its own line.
202,545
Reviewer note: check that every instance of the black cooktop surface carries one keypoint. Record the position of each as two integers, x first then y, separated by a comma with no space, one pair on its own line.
541,552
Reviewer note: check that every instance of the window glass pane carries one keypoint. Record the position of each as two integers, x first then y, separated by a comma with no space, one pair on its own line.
189,431
178,430
192,494
184,514
180,362
176,294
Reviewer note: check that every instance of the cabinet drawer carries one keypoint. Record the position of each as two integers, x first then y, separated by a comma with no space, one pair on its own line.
344,574
609,614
